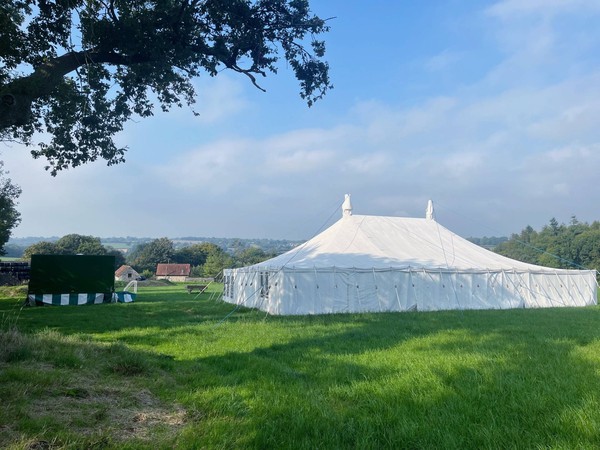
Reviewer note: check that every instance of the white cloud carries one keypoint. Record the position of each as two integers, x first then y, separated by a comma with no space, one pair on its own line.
220,98
371,164
300,161
523,151
456,166
443,60
543,41
581,118
519,145
561,178
380,117
212,168
300,151
60,205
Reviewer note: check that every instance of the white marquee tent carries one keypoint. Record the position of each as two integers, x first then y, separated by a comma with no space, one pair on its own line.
376,263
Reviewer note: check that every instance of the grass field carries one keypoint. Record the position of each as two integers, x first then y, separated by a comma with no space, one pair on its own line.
169,371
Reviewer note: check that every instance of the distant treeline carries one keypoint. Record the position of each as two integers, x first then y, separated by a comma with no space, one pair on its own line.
16,246
576,245
488,242
205,258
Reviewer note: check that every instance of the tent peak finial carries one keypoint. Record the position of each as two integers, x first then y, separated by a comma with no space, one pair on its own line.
429,210
346,206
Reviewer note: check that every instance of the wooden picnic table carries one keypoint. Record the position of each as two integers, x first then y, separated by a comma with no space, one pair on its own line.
196,287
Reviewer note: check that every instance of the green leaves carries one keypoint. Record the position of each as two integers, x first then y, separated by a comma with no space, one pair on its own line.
73,244
146,256
9,216
94,65
563,246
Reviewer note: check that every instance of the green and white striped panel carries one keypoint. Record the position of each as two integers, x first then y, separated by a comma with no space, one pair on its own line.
70,299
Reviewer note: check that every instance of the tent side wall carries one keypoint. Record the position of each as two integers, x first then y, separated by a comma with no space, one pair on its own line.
334,290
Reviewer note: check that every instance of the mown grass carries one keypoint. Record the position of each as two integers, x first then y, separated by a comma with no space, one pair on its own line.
169,372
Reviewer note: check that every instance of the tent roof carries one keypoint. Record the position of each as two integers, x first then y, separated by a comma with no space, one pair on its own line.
365,242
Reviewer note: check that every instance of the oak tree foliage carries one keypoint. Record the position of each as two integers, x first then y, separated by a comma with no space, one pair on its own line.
79,69
572,246
74,244
147,255
195,254
9,216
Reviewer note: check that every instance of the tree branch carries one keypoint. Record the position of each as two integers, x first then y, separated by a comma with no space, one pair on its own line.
248,73
17,96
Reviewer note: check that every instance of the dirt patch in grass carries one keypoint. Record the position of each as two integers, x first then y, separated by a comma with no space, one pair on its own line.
84,405
149,414
121,411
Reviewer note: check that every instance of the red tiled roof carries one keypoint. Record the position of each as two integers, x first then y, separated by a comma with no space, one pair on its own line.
165,270
121,270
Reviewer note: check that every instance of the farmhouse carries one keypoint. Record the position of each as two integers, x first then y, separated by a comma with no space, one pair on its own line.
173,272
126,273
377,263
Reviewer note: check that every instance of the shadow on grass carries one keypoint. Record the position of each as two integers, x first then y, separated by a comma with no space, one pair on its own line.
525,379
163,308
473,379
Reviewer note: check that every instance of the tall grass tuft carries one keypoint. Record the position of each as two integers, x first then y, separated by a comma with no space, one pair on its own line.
14,345
123,361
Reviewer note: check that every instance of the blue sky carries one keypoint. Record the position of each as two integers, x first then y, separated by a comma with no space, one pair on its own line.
490,108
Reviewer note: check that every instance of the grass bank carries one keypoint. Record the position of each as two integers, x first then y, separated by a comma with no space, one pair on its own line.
169,372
